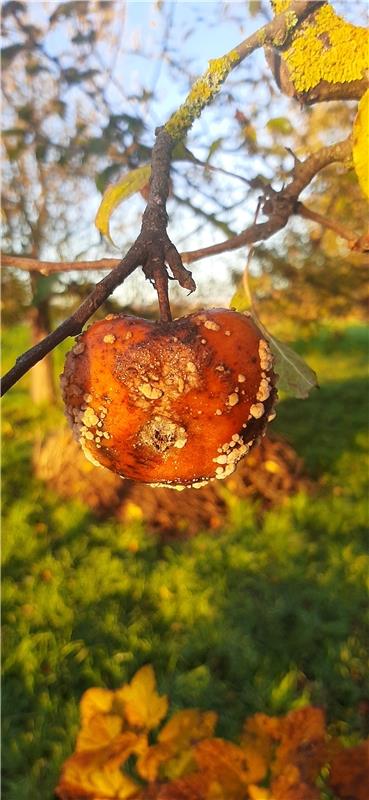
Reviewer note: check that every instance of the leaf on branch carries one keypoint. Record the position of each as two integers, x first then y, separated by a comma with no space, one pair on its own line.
143,706
360,150
295,377
114,196
280,125
241,300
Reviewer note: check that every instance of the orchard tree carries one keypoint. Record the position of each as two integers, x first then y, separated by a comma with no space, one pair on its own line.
314,57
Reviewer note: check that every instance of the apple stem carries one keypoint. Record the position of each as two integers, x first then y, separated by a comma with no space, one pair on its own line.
161,285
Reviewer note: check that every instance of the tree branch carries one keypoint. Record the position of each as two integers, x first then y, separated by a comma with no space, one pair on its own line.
74,324
301,175
278,206
278,33
153,248
341,230
50,267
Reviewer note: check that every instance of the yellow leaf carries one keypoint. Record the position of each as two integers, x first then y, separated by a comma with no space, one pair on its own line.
149,764
257,793
143,706
114,195
99,732
173,756
229,765
84,776
360,150
188,726
95,701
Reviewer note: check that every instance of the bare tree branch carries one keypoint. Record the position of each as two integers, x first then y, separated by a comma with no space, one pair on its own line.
50,267
278,206
341,230
74,324
284,205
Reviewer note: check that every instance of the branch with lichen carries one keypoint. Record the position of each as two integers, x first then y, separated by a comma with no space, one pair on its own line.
326,60
153,250
277,33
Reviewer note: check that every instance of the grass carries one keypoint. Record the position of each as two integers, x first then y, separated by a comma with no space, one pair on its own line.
267,615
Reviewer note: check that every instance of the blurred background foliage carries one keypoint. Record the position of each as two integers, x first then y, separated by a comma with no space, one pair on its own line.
263,609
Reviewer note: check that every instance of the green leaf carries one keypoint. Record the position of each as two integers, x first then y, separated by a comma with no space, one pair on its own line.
280,125
103,178
114,196
295,377
240,301
66,10
216,145
181,153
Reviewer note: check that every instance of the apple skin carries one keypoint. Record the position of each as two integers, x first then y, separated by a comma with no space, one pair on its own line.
170,403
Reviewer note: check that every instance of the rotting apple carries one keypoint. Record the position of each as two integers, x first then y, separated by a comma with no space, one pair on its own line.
170,403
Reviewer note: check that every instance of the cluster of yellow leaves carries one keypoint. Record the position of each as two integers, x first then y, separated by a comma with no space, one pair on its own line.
286,758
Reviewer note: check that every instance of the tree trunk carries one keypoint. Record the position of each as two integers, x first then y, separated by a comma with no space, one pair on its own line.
42,377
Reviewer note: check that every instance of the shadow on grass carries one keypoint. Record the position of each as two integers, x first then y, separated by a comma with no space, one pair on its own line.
327,424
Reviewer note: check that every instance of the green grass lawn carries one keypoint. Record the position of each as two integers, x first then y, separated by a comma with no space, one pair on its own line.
267,615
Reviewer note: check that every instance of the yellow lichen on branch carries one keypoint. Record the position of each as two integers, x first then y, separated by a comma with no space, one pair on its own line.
202,93
325,48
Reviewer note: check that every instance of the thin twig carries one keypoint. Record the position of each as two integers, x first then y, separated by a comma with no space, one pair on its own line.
50,267
341,230
301,176
279,206
74,324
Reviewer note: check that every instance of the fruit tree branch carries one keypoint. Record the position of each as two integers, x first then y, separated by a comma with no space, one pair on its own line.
341,230
50,267
153,248
277,33
301,176
74,324
278,206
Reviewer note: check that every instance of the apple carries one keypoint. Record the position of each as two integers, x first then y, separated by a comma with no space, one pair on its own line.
170,403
